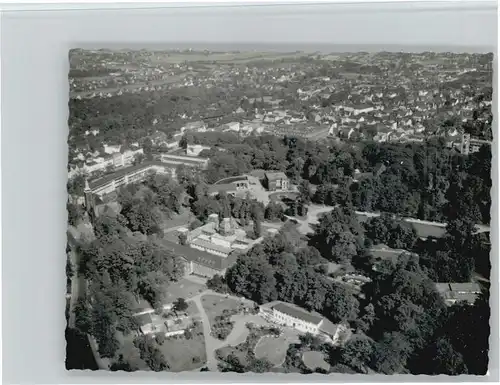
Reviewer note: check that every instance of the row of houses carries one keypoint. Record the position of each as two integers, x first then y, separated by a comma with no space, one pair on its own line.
99,164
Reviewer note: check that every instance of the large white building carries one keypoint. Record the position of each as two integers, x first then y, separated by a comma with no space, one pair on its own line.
218,237
116,160
127,175
185,159
289,315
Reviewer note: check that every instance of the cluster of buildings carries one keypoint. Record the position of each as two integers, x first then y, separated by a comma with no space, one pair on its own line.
467,145
99,164
213,247
168,165
218,236
257,185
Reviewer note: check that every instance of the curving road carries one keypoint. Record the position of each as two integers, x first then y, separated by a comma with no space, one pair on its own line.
316,210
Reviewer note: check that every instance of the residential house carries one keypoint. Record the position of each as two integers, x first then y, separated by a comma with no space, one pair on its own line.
276,181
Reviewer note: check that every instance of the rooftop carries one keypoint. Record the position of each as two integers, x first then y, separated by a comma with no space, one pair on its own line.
209,245
275,175
232,179
329,327
297,313
143,319
96,183
201,257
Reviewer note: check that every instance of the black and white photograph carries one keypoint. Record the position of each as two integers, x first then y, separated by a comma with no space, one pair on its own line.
281,208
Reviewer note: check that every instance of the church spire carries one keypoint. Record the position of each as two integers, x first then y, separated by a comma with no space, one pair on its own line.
87,187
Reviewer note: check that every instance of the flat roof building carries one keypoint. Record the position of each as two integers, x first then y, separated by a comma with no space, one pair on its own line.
458,292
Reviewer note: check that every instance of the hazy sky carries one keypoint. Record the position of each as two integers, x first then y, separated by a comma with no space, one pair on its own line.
440,24
462,23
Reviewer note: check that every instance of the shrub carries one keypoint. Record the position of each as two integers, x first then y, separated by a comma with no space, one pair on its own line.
160,338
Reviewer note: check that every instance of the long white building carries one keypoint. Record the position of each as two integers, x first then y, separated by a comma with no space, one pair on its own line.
292,316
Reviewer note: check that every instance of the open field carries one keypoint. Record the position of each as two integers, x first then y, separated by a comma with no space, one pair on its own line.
184,354
273,349
314,359
183,289
223,57
129,87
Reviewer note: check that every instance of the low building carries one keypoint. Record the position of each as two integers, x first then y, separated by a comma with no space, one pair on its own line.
195,149
235,186
151,323
199,262
276,181
137,173
458,292
126,158
198,126
289,315
185,160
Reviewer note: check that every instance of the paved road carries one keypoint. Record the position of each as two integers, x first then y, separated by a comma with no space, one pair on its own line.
316,210
78,289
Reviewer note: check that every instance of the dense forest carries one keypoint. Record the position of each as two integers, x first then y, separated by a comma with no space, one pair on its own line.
425,180
401,323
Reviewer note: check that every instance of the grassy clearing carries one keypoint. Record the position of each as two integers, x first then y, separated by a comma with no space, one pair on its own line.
273,349
183,289
184,354
214,306
315,359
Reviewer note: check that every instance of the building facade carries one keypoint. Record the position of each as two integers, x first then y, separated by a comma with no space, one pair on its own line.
458,292
292,316
276,181
132,174
185,160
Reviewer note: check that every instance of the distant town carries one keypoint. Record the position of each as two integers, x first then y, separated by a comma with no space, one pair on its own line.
279,212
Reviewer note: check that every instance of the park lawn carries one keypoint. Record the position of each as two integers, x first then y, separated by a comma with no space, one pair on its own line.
273,349
183,354
314,359
184,288
214,305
